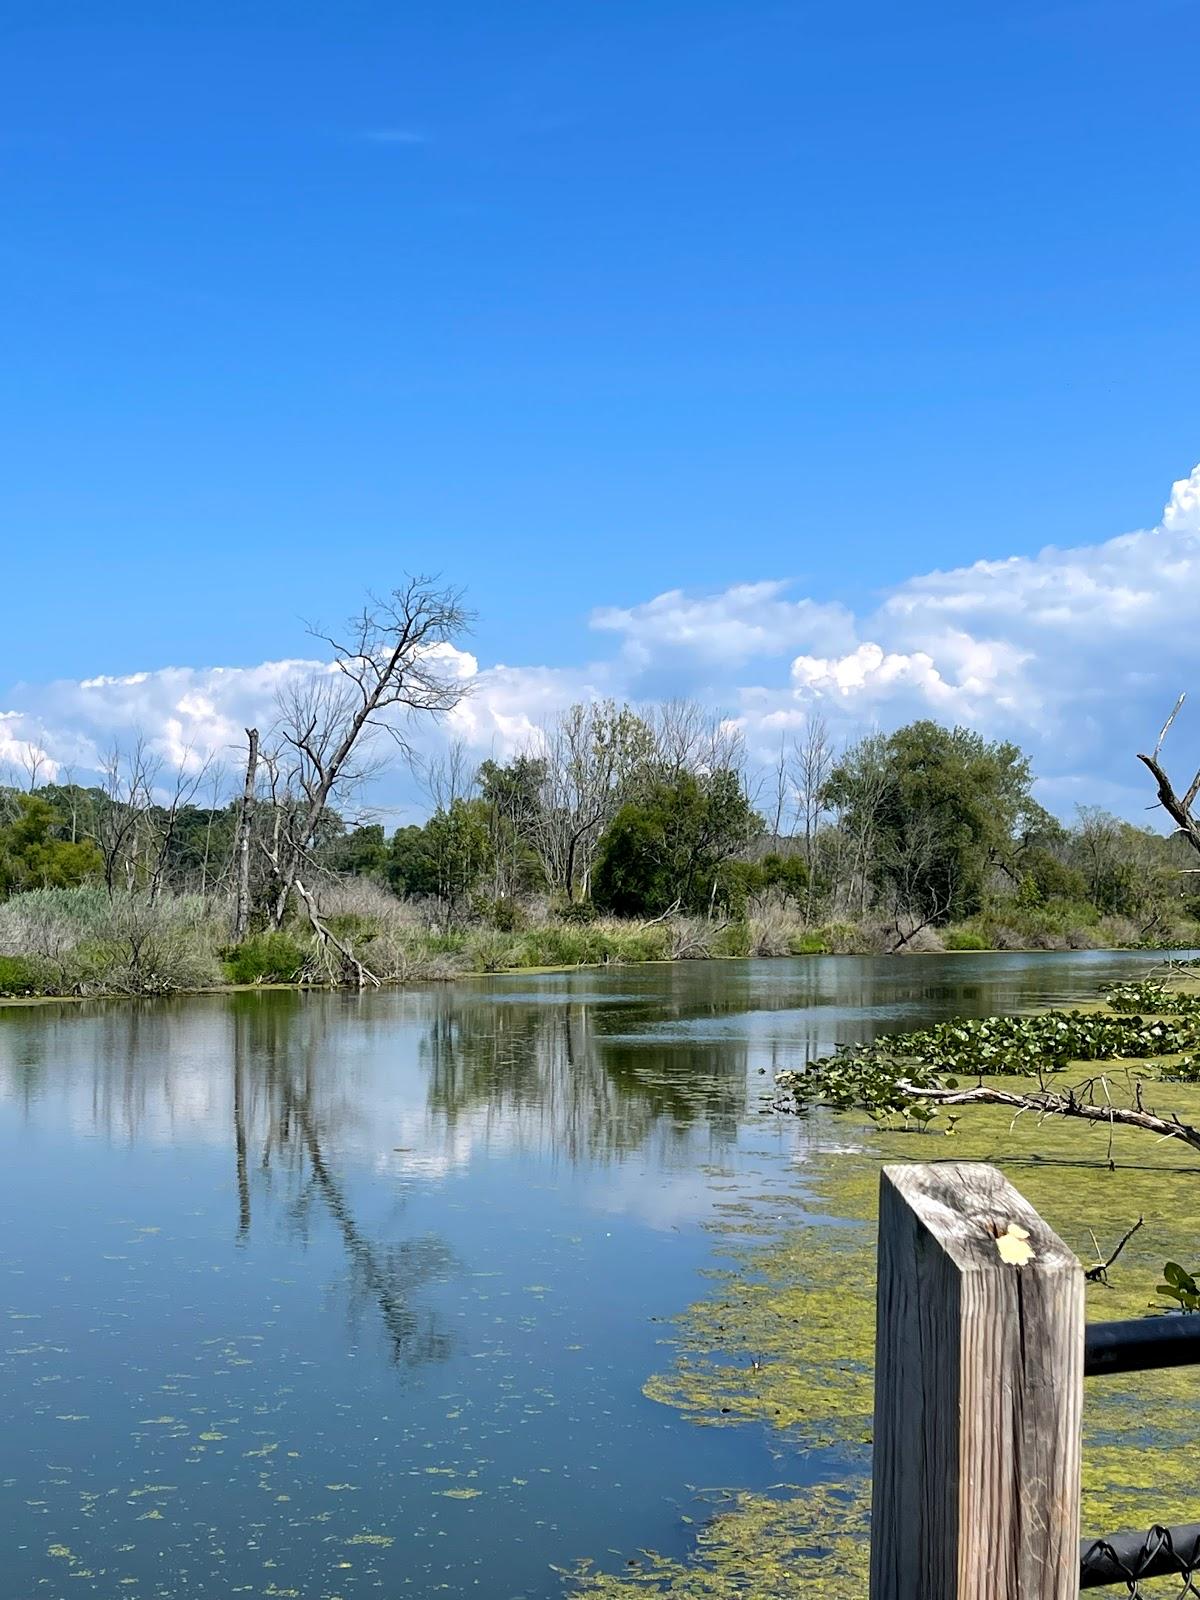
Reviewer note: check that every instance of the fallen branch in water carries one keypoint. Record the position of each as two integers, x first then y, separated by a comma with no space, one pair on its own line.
1099,1273
1053,1103
363,975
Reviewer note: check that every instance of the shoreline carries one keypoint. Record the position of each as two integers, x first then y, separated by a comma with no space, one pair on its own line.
29,1000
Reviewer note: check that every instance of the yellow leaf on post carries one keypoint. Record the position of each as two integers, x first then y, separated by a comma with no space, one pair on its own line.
1013,1245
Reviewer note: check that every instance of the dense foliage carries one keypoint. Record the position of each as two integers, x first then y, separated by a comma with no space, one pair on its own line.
879,1075
943,810
667,847
922,839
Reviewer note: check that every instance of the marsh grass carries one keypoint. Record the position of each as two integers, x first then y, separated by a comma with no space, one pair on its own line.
81,941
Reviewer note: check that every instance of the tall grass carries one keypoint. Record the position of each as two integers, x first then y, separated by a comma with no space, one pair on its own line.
82,942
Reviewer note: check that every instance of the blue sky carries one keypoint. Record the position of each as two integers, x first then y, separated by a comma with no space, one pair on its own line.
575,304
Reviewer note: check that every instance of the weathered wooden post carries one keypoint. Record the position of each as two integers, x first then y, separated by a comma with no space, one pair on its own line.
978,1393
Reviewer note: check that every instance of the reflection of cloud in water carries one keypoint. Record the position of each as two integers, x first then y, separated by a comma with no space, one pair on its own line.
561,997
661,1201
791,1024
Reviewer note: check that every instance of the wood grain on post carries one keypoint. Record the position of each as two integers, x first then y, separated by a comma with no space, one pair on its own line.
978,1393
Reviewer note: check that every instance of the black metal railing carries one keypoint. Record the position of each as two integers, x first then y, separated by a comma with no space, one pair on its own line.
1141,1345
1133,1559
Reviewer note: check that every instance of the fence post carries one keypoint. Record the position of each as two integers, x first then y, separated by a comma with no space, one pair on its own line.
978,1393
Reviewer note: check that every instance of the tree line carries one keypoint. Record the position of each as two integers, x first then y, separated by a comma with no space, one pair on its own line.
634,812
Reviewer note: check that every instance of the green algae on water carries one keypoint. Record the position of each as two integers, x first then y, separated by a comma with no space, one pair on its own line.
757,1548
785,1340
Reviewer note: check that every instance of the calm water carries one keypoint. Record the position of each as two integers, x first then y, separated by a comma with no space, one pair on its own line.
327,1296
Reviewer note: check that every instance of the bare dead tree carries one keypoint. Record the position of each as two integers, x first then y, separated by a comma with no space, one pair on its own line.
127,780
327,940
66,781
217,776
1178,807
163,819
389,668
241,848
780,788
689,737
812,763
449,776
33,760
811,766
589,757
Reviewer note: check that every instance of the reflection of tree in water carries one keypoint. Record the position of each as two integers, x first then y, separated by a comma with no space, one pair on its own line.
146,1071
265,1055
552,1074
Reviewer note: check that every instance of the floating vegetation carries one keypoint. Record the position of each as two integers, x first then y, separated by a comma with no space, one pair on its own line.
978,1047
759,1546
1153,996
785,1339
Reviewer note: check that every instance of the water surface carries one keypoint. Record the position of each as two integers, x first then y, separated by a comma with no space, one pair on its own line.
329,1295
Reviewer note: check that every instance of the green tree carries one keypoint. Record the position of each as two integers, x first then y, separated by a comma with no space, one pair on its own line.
937,811
668,846
448,859
32,856
360,852
511,795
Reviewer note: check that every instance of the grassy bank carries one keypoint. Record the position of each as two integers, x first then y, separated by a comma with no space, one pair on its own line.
784,1341
82,941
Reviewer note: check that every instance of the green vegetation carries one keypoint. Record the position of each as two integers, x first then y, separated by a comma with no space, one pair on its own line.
621,836
33,853
271,957
666,849
784,1340
890,1073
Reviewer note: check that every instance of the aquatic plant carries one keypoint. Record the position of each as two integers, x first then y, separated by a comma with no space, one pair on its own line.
897,1071
1180,1286
1153,996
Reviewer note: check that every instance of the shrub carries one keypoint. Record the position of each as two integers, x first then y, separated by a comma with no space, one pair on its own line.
19,976
966,938
733,940
851,939
86,942
577,913
488,950
274,957
505,915
773,933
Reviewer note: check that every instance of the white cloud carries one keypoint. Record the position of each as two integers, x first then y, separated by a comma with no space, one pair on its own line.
727,629
21,749
1057,647
1076,653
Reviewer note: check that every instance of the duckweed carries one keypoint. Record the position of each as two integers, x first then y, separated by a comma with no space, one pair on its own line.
785,1339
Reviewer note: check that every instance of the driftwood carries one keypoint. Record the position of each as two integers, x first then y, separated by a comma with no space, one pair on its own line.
325,934
1058,1103
1099,1273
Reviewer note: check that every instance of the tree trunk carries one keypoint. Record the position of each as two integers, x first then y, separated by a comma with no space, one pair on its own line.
241,910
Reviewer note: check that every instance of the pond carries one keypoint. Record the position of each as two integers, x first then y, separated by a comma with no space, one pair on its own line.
327,1295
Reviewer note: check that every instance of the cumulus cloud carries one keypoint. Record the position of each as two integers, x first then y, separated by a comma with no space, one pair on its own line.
1076,653
21,748
1068,648
729,629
